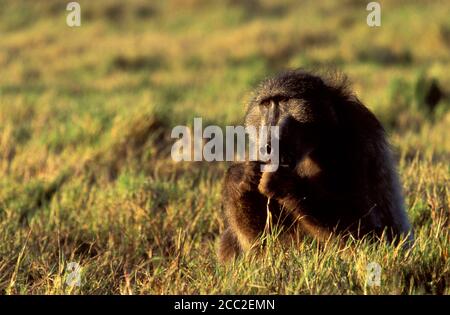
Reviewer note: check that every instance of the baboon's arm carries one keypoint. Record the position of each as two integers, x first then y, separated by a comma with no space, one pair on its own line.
245,206
296,195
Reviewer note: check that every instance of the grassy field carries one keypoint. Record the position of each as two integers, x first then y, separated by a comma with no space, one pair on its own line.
85,119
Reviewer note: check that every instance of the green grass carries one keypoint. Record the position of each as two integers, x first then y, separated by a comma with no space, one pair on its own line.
85,121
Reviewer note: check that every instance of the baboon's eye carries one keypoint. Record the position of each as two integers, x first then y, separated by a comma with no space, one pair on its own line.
283,99
264,103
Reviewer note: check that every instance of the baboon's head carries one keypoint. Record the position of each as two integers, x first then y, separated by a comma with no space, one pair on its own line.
300,104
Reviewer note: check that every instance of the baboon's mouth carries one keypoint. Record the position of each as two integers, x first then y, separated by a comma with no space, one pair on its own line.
286,159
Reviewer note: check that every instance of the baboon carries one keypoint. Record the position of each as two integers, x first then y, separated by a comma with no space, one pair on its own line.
336,177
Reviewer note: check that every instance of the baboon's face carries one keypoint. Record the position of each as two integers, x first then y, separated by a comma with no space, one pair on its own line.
299,107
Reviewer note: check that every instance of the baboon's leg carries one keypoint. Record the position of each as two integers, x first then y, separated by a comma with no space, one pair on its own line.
245,206
228,246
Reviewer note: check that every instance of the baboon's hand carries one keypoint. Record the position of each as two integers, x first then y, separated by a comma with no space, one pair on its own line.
277,184
251,177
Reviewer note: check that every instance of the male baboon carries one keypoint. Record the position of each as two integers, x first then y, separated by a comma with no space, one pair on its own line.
337,174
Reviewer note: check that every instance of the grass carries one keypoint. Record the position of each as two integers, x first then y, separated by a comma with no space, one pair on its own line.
85,120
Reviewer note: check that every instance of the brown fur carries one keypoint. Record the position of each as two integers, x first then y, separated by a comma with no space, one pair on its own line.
339,178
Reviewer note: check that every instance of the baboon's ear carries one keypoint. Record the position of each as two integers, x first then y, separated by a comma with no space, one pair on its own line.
330,103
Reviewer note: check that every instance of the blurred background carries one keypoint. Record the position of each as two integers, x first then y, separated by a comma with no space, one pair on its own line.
86,114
